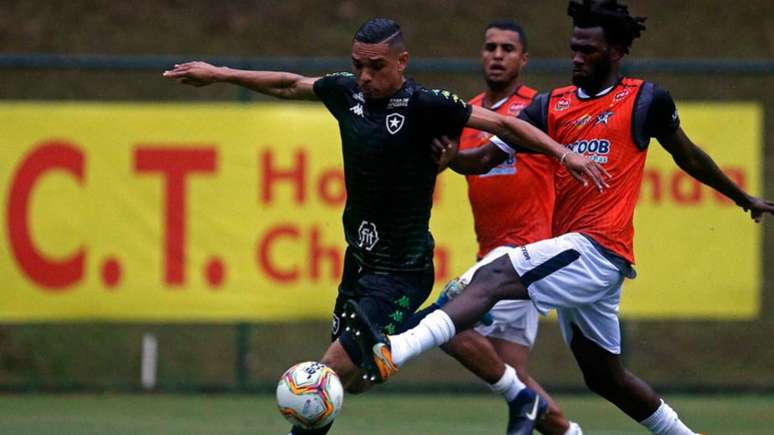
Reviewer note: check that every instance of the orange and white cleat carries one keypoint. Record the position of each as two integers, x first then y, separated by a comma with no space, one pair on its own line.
372,342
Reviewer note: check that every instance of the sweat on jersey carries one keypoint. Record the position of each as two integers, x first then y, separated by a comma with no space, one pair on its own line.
614,129
388,167
513,203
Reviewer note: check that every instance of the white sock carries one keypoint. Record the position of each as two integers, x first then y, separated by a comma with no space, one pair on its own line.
434,330
509,385
666,422
574,429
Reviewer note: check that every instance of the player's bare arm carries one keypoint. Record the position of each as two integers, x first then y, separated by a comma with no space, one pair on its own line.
517,131
274,83
693,160
470,161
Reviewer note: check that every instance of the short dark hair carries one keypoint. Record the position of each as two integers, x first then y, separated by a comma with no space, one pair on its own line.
619,27
512,26
380,30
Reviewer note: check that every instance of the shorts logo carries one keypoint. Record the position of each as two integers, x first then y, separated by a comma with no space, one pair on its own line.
525,253
595,149
368,237
394,122
335,325
562,104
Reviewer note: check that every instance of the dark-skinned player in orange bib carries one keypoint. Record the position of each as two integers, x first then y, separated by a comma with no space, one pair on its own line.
512,205
580,271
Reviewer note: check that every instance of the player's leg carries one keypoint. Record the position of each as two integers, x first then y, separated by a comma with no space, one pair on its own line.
593,333
389,300
517,355
506,341
336,356
512,333
505,277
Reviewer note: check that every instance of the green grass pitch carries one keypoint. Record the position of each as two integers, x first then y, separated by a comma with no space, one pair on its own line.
371,414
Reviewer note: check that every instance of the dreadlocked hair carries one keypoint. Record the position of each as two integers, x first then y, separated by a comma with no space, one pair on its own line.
614,18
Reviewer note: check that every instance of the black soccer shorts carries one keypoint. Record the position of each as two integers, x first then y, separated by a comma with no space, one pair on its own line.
387,298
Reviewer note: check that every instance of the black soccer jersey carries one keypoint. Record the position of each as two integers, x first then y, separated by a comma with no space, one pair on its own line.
389,172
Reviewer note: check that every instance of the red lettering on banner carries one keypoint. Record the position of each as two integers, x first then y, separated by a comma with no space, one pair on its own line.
175,164
295,174
331,187
652,178
318,253
442,260
685,189
50,274
265,261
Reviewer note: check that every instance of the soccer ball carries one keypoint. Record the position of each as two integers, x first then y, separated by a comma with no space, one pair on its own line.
309,395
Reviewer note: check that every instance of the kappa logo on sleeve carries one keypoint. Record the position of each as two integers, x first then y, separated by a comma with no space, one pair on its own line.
357,109
449,96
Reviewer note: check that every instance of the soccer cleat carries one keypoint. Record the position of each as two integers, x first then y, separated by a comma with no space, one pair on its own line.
451,290
524,411
372,342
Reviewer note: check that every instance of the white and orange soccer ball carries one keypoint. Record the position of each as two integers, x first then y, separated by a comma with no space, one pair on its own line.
309,395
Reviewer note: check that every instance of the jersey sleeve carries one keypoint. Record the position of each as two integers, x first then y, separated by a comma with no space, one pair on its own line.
443,112
655,115
331,89
537,112
662,116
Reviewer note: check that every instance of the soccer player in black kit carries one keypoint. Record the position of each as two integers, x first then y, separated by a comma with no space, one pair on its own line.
387,125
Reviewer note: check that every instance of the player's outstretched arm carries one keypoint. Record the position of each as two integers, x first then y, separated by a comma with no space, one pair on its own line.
693,160
276,84
515,131
467,162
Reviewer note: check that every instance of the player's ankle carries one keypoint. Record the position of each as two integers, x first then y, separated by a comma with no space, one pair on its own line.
509,385
665,421
574,429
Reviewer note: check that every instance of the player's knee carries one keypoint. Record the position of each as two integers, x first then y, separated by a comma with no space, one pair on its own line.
601,383
595,380
497,280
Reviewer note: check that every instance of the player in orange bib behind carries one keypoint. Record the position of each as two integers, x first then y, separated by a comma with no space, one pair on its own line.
580,271
512,205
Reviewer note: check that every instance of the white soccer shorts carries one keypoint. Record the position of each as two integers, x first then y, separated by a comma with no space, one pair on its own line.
569,274
512,320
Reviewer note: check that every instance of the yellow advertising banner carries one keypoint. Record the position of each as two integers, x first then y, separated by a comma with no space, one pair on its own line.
226,212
